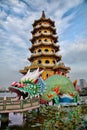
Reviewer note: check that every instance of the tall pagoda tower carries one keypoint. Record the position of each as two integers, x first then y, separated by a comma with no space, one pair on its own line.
45,49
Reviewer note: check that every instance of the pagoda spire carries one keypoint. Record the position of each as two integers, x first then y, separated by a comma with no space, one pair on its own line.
43,15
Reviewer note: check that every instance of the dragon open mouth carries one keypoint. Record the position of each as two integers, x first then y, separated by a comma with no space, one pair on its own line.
19,93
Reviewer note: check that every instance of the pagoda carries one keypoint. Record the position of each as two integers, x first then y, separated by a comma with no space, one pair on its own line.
44,49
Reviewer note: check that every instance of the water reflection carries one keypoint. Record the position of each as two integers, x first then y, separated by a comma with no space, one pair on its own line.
7,94
15,119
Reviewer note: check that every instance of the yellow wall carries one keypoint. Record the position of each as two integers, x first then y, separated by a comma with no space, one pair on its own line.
43,49
43,40
45,23
47,72
43,31
42,23
44,59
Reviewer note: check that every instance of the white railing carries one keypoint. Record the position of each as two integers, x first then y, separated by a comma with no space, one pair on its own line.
44,25
43,33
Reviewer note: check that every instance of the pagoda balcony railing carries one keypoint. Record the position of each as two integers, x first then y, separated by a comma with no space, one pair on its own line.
44,25
37,26
47,34
43,43
47,25
48,65
44,53
36,54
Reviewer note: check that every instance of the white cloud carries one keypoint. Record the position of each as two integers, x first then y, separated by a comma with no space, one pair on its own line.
73,3
63,24
3,15
74,55
79,45
16,23
18,41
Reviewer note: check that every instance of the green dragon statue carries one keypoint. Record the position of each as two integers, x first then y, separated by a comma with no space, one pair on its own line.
56,87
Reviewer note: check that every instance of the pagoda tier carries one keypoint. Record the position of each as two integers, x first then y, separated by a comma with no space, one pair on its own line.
44,27
32,67
40,45
58,69
40,36
45,55
44,49
61,68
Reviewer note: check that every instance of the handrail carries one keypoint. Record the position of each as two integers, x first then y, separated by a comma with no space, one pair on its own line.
15,106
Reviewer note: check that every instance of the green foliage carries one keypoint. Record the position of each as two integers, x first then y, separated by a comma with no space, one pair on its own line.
65,118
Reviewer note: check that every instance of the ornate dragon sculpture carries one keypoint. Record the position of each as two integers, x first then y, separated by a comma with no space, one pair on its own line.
57,87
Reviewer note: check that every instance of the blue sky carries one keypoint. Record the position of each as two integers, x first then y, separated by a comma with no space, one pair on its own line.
16,18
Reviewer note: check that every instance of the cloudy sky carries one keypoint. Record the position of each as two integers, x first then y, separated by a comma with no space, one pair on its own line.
16,18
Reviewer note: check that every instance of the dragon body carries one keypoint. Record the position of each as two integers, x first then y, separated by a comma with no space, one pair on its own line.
61,89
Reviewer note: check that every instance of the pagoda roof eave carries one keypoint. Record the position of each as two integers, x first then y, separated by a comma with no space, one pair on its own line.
45,35
45,54
45,43
23,71
34,66
56,47
43,27
44,20
42,35
62,67
58,57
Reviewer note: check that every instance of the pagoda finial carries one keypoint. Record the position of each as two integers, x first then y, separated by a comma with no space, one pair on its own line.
43,15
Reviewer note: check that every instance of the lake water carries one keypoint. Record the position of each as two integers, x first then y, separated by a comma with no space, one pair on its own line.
49,118
7,94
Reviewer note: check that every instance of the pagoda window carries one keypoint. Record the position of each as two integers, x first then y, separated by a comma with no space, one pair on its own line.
45,23
39,50
52,50
39,31
45,31
39,61
47,62
34,51
63,73
47,75
54,61
39,23
39,40
46,50
45,40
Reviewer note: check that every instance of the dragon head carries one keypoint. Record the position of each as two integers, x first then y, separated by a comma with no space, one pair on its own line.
27,86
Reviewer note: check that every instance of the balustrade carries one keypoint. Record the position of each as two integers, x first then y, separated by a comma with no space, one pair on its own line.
43,33
20,105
